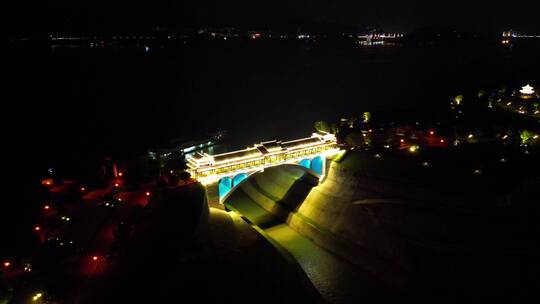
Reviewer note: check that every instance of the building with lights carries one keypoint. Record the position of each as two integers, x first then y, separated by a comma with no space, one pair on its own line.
309,152
527,92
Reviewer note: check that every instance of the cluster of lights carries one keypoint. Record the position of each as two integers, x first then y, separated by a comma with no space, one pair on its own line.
414,148
37,296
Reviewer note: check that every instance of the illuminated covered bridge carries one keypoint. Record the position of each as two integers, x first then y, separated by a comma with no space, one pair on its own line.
229,169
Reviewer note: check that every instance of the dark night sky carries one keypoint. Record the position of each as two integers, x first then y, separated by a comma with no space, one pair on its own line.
483,16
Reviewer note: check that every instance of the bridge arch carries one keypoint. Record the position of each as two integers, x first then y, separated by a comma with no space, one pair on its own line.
276,183
317,165
225,185
239,178
306,163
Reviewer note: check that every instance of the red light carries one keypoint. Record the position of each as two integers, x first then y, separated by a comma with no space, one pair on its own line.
37,228
402,140
117,185
46,207
147,193
431,132
83,189
94,258
370,130
7,264
442,140
120,174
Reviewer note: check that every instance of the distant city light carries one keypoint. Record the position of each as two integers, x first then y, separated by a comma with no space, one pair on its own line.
37,228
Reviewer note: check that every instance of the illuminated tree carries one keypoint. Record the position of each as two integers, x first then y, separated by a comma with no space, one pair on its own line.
458,99
366,117
322,126
526,136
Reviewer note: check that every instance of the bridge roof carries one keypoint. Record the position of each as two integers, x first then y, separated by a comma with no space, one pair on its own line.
301,142
252,152
269,146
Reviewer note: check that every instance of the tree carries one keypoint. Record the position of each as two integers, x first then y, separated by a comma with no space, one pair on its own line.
322,126
366,117
335,128
458,99
185,176
526,136
355,140
481,93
